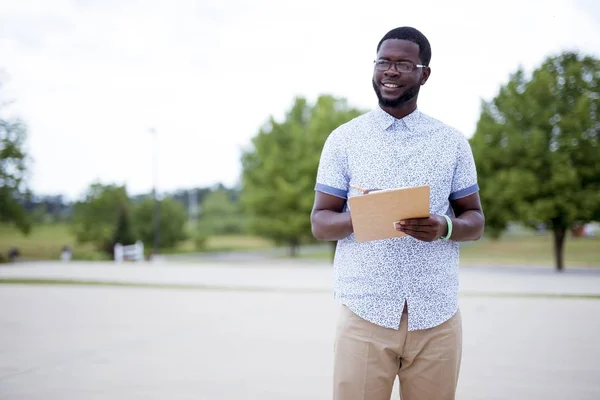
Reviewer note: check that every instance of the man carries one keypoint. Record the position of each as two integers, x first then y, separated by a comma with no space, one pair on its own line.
399,313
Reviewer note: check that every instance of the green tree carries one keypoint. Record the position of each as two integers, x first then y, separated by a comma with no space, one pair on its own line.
536,148
39,214
220,215
124,229
96,218
279,170
13,169
172,222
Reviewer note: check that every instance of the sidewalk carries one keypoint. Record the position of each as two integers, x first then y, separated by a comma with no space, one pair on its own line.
271,337
301,276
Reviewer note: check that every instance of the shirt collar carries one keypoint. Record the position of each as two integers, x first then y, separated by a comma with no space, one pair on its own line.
386,120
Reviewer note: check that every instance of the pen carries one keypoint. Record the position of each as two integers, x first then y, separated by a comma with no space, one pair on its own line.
358,188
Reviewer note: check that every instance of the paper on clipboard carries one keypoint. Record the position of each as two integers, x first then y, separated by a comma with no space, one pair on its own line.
374,214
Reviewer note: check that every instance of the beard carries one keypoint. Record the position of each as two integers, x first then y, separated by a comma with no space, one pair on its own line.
409,93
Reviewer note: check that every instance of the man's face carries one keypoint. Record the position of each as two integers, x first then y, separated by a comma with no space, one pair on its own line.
395,88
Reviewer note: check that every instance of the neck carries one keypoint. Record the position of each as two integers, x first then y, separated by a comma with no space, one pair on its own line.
402,110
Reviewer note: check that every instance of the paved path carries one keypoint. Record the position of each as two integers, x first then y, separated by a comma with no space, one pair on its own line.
301,276
82,342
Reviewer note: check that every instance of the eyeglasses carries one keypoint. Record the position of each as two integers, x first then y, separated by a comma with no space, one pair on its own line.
401,66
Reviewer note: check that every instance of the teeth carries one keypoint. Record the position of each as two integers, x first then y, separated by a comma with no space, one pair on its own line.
390,85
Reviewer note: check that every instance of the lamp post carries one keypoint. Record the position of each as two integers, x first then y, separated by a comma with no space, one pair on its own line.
156,214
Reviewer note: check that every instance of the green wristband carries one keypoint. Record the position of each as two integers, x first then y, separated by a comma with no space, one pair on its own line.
449,223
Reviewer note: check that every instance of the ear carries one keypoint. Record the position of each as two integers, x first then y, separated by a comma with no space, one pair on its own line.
425,75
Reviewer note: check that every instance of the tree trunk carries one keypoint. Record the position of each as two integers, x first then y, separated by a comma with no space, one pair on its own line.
559,242
293,248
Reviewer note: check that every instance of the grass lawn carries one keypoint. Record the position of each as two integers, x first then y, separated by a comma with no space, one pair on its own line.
531,249
45,242
224,243
522,249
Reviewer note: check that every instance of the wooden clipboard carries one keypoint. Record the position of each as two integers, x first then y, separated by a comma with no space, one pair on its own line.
373,214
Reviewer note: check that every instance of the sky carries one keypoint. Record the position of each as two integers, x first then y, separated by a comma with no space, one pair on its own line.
91,79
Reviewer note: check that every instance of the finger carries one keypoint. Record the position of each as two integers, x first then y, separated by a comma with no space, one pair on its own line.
420,236
417,229
400,227
416,221
414,225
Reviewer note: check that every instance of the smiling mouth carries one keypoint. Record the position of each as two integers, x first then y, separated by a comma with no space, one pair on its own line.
390,85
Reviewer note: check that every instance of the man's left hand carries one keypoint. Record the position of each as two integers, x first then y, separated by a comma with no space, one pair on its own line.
425,229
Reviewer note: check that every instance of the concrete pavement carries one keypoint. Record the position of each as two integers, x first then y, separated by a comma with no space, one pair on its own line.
82,342
300,276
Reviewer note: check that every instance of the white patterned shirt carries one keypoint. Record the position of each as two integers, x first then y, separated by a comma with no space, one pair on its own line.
377,151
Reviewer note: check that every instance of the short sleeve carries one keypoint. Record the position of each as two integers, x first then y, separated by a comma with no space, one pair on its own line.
464,181
332,173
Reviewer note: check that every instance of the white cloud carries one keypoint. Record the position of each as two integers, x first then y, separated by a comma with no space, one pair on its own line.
91,78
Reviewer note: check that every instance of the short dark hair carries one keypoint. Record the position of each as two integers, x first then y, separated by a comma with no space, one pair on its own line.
412,35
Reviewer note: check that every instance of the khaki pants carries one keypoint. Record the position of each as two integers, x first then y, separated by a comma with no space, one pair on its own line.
368,357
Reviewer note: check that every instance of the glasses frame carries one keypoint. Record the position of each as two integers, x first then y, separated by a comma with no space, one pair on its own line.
395,65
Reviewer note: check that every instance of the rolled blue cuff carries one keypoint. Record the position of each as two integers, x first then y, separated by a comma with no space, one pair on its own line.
464,192
331,190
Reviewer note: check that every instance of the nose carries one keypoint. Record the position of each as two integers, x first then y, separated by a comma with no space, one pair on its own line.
391,71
